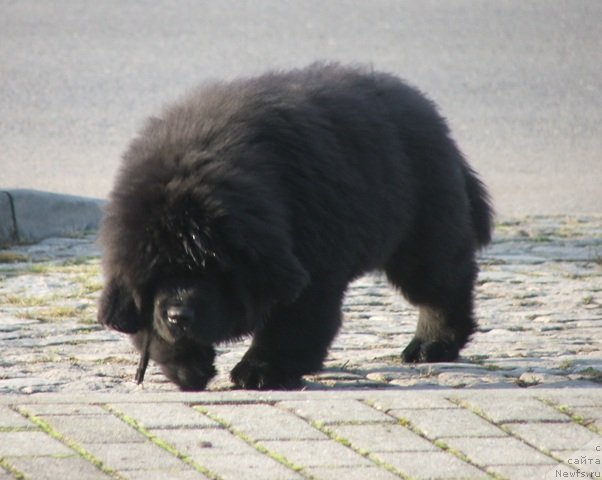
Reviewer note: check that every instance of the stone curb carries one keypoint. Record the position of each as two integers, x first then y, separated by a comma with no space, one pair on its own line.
28,216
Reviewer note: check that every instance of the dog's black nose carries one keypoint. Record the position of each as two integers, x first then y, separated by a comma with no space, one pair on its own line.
179,315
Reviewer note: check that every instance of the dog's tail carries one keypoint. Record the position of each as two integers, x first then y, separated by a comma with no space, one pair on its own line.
480,207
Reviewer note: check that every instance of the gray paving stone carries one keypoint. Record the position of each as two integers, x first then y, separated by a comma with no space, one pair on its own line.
522,472
500,410
252,467
320,453
586,458
134,456
336,411
11,419
224,454
497,451
93,428
553,436
417,400
431,465
30,443
205,442
591,415
351,473
448,423
383,438
53,468
163,474
165,415
65,409
571,400
567,471
265,422
4,475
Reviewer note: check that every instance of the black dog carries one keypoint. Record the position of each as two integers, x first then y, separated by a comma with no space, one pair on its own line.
248,207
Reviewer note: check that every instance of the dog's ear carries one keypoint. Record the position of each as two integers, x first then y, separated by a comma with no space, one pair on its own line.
117,308
262,256
274,274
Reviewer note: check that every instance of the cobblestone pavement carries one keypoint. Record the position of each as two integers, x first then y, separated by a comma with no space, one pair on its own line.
539,304
499,412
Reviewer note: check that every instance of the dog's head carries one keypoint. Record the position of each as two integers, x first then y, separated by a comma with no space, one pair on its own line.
206,264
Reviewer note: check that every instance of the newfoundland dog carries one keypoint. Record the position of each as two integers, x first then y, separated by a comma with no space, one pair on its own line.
247,207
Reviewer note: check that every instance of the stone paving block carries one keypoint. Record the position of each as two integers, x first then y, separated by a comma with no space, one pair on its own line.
224,454
158,474
586,398
65,409
586,458
497,451
449,423
553,436
93,428
500,410
30,443
4,475
134,456
591,415
165,415
439,465
383,438
200,443
522,472
53,468
351,473
248,467
420,400
319,453
265,422
11,419
336,411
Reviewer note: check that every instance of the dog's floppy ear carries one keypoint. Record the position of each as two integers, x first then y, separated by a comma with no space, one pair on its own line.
117,308
274,274
263,258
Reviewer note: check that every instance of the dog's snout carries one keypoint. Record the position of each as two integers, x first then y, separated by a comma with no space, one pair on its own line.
179,315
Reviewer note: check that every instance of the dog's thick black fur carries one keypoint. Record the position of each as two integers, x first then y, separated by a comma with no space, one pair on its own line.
248,207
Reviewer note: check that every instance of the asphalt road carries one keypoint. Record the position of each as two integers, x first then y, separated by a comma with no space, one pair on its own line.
520,81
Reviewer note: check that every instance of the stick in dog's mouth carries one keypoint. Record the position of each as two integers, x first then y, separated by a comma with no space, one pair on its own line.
144,357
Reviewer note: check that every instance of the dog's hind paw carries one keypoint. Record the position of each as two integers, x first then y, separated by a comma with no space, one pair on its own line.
427,351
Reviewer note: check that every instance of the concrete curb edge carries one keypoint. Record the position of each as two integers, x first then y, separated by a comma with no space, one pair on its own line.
28,216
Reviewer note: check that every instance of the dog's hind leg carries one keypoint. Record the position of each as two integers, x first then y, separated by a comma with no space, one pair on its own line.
293,341
439,280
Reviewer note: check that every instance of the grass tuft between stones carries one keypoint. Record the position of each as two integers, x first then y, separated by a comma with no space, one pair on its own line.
12,257
575,417
12,470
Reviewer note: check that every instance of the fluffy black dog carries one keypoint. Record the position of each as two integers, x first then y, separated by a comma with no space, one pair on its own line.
248,207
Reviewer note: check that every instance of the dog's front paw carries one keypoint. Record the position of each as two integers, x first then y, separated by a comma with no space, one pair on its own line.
254,374
426,351
189,378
